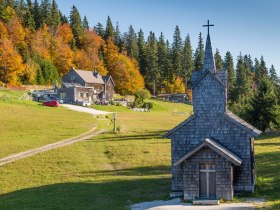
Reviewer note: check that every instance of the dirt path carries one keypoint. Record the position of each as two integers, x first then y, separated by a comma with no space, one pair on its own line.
21,155
85,109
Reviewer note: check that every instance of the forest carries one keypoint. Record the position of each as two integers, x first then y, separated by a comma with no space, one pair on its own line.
39,44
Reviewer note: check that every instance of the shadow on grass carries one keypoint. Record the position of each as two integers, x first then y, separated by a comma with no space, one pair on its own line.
124,137
140,171
117,194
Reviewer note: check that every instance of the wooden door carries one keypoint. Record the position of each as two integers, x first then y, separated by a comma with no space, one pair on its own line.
207,180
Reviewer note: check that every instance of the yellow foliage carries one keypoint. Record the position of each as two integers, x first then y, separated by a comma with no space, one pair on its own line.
123,70
30,72
65,33
16,33
42,42
11,66
3,31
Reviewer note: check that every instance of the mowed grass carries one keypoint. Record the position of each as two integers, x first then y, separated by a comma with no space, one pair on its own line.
113,171
27,124
268,169
110,171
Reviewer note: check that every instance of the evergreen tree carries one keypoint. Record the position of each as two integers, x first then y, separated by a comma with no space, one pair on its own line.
109,32
263,68
99,29
218,60
199,54
263,112
188,64
131,43
37,15
273,75
85,23
243,83
248,63
257,71
169,64
162,58
152,73
20,10
39,77
55,20
29,21
177,49
63,19
118,38
45,9
76,25
229,66
142,52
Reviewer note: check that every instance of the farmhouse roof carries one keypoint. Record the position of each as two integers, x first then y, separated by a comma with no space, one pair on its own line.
215,146
90,76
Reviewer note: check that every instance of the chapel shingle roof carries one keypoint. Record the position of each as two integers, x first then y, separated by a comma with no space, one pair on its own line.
215,146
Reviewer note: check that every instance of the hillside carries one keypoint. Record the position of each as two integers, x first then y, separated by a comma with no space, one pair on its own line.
113,171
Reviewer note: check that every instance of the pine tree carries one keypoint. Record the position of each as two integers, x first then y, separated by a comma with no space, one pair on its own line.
188,63
177,49
109,32
118,38
263,112
55,20
45,9
229,66
142,52
63,19
263,68
131,43
37,15
243,83
99,29
199,54
162,58
218,60
152,73
20,10
76,25
273,75
85,23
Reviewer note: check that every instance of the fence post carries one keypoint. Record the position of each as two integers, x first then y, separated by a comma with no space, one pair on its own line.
115,126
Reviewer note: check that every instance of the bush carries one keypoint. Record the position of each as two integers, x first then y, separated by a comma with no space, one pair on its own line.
147,105
141,95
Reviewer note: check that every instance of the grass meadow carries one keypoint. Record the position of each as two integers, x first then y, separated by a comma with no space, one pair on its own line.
115,170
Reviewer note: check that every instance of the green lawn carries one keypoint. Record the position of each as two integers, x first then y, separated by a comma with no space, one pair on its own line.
27,124
112,171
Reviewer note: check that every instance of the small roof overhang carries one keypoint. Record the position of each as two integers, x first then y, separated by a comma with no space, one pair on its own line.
216,147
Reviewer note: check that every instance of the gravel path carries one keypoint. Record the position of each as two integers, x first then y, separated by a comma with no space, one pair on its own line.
85,109
48,147
175,204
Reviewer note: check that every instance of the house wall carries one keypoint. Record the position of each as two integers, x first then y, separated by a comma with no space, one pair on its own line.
109,90
224,188
69,94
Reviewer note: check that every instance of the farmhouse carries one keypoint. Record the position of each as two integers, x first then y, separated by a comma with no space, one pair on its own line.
80,86
213,150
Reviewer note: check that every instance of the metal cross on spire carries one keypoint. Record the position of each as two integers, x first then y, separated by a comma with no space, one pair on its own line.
208,25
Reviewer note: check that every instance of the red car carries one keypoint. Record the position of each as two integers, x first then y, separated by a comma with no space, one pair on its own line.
51,103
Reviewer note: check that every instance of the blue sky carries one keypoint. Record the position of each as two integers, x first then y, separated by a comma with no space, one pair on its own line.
249,26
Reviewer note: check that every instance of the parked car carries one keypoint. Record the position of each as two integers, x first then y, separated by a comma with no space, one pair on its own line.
51,103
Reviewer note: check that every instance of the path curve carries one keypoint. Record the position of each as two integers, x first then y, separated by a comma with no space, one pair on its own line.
85,109
89,134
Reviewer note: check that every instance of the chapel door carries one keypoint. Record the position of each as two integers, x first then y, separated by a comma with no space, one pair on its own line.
207,180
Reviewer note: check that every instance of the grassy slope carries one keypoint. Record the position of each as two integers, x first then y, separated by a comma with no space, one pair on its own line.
26,124
115,170
108,172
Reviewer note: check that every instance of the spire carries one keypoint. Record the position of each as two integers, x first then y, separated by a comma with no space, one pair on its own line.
209,63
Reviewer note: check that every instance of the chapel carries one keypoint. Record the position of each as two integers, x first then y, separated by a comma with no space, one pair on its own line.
213,150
